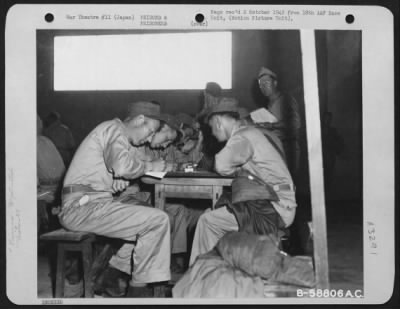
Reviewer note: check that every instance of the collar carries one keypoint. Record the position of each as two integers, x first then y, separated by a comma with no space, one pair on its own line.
237,127
122,125
275,97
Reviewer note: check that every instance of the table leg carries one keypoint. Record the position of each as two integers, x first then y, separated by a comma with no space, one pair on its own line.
217,192
159,198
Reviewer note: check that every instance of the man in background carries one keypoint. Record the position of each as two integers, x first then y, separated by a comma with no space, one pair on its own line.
211,94
50,166
60,135
50,173
286,110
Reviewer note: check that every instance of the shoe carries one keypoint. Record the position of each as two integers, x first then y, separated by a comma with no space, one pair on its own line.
139,292
160,291
111,283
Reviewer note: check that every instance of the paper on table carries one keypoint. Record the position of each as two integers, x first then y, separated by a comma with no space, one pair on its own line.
156,174
262,115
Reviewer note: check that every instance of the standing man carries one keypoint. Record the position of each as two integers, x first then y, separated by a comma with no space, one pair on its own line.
263,197
102,166
60,135
286,110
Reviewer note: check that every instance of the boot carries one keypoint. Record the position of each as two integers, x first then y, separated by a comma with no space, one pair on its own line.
111,283
139,292
159,291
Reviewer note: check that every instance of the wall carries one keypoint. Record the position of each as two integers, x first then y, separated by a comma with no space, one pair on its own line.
82,111
344,100
339,63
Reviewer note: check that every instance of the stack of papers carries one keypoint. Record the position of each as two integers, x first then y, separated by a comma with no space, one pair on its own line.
262,115
159,175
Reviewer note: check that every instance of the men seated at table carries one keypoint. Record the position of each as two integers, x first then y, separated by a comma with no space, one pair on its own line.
264,199
102,166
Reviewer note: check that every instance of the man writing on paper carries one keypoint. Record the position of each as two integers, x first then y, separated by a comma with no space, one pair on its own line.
285,120
263,197
174,143
101,166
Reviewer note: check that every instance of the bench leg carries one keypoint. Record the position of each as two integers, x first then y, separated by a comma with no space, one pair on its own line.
60,272
87,257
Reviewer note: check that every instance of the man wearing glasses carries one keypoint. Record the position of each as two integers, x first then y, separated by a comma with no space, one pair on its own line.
286,110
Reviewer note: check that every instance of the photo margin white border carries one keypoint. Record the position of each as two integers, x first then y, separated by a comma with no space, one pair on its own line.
378,126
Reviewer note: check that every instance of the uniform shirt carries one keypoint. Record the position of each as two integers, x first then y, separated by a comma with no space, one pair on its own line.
249,149
50,166
62,138
286,110
104,151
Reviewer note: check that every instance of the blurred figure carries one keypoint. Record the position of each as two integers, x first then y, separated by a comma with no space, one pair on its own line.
211,94
332,146
50,173
286,110
211,145
50,166
60,135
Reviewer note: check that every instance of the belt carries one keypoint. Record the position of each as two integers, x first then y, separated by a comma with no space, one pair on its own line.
281,187
76,188
284,187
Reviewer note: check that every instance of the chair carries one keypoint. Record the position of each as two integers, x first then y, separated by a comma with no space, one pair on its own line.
72,241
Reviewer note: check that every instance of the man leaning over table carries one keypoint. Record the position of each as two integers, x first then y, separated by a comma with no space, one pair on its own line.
259,166
102,166
175,144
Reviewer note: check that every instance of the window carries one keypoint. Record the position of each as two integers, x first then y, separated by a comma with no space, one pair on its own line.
142,61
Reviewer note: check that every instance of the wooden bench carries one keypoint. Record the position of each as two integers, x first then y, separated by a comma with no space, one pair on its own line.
72,241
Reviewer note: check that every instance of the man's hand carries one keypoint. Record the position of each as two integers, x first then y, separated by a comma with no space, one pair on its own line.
188,146
158,165
119,185
170,167
200,140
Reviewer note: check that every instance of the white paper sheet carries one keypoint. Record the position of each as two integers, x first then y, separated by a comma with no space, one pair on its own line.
262,115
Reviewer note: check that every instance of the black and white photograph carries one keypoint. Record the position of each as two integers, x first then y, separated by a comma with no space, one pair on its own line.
212,109
199,163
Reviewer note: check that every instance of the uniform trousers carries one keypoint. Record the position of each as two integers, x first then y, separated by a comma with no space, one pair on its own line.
212,225
146,231
182,219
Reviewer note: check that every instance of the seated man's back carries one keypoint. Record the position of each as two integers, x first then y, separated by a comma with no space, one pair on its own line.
50,165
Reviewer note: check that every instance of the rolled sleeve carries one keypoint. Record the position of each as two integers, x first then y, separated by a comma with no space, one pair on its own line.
119,157
237,152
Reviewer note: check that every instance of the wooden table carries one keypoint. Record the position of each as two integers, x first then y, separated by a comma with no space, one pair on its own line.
196,185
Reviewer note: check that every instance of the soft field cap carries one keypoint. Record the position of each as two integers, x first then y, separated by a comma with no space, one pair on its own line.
148,109
266,72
